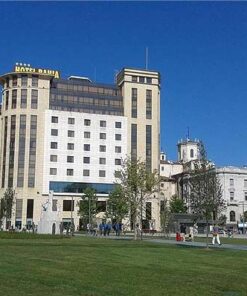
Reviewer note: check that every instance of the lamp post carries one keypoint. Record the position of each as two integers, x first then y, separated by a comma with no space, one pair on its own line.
243,219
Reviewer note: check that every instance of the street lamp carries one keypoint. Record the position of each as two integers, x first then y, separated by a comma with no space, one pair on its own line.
243,219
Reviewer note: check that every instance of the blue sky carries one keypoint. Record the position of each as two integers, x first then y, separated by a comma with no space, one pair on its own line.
200,49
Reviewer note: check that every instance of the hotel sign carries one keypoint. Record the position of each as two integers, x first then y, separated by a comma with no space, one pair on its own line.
28,69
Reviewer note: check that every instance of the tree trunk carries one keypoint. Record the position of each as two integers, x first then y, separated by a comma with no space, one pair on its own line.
207,235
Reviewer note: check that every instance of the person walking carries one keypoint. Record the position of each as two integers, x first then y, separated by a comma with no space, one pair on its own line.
216,235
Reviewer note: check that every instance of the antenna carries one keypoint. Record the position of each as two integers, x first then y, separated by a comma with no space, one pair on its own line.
146,66
188,132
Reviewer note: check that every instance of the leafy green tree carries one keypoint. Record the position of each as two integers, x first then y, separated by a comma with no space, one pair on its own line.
88,205
6,204
137,185
117,206
177,205
165,216
205,192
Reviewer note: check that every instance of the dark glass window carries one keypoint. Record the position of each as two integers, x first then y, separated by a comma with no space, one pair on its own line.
53,171
118,124
14,81
34,99
7,100
53,158
53,145
101,173
54,119
23,80
86,147
86,159
21,156
54,132
24,98
102,136
14,98
148,104
149,80
117,161
35,80
141,79
87,122
134,142
86,173
12,150
32,151
102,148
149,147
102,123
134,102
70,158
71,134
68,205
4,150
148,211
30,203
118,149
87,135
102,161
70,172
118,137
70,146
71,120
134,78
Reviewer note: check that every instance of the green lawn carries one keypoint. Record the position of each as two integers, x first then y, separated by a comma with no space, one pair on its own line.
97,266
224,240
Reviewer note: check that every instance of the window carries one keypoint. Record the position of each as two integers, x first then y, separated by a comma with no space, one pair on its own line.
118,124
54,119
53,158
86,147
14,98
191,153
54,205
134,78
86,173
149,80
148,104
149,148
53,145
23,80
118,137
117,174
68,205
133,142
117,161
70,146
232,216
70,158
141,79
118,149
162,185
87,122
54,132
102,161
148,211
53,171
245,183
87,135
102,123
86,159
7,100
245,196
101,173
134,102
231,182
162,168
24,98
14,81
71,134
231,196
34,99
71,120
102,136
70,172
7,82
102,148
35,80
101,206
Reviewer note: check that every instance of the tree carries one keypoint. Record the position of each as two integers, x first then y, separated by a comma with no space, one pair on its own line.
205,192
165,216
137,185
117,207
177,205
6,205
88,205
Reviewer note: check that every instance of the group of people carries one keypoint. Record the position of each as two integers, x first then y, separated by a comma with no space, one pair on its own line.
104,229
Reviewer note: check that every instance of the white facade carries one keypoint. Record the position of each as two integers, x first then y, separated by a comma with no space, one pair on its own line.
188,150
234,189
88,158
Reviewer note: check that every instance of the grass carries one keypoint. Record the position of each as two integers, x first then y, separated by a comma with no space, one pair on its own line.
87,266
224,240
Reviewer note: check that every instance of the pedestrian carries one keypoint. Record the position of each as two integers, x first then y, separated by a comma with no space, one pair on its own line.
216,235
109,226
183,231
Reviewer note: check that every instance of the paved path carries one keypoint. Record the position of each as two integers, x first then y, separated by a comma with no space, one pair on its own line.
174,242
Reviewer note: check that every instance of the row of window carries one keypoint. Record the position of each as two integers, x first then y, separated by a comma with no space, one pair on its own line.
71,159
87,135
70,172
87,147
232,195
23,80
87,122
231,182
23,101
142,79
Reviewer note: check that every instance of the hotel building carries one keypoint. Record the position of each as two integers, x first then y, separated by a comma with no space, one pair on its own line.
64,135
